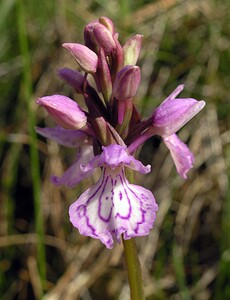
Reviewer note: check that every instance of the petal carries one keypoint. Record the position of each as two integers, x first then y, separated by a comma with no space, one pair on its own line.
173,114
113,207
65,137
182,156
138,166
115,155
73,175
175,93
64,110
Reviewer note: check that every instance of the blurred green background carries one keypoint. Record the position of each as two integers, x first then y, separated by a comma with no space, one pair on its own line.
187,254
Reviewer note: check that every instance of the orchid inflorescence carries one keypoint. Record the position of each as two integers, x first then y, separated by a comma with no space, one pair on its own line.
108,134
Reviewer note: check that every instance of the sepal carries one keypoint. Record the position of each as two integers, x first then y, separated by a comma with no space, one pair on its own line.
74,174
173,113
65,137
182,156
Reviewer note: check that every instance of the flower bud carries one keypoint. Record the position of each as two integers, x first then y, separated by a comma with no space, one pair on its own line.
108,24
86,58
103,75
132,49
127,82
89,38
66,112
117,59
104,38
73,78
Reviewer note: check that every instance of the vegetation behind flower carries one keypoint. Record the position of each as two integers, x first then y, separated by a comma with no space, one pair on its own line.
177,57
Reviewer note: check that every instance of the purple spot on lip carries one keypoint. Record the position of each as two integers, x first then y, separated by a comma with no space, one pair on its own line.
120,195
81,211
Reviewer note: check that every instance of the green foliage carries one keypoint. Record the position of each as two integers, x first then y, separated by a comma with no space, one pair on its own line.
186,255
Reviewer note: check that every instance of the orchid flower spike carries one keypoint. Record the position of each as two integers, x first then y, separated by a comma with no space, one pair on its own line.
109,130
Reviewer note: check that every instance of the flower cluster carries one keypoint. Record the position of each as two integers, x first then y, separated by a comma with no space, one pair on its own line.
107,135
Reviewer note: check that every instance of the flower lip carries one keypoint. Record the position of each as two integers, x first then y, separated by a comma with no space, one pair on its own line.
113,206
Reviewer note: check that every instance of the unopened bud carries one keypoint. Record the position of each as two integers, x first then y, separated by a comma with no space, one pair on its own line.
66,112
104,38
127,82
86,58
88,36
103,75
108,24
132,49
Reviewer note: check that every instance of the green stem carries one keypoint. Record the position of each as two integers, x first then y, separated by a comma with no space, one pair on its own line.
34,158
133,269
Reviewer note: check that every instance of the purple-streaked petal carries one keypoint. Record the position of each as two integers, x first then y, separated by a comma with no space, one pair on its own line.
115,155
182,156
85,57
173,114
113,207
64,110
73,175
65,137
